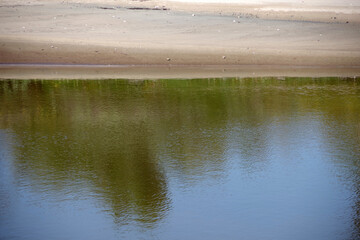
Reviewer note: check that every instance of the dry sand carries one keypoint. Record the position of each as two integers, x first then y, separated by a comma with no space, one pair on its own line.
186,37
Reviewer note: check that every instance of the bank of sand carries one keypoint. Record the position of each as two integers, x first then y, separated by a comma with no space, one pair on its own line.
178,35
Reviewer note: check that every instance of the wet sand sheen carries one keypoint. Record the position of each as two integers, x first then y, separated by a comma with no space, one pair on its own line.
138,72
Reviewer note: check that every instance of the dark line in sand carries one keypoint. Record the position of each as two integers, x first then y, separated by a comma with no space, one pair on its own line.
145,8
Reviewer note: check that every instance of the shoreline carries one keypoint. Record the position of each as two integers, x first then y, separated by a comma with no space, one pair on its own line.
154,72
179,34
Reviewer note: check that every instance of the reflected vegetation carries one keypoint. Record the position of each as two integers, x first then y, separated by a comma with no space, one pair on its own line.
130,142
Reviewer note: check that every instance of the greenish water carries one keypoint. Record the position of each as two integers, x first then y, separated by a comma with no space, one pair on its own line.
180,159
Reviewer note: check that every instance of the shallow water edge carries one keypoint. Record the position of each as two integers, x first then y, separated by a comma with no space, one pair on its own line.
91,72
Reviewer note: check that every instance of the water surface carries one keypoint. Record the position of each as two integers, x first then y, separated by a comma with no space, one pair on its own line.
180,159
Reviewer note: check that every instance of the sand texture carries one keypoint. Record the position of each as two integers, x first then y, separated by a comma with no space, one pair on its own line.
174,33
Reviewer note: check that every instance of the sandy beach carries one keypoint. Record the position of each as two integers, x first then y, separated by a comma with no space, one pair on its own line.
230,35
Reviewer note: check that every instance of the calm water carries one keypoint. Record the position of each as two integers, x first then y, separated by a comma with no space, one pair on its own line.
180,159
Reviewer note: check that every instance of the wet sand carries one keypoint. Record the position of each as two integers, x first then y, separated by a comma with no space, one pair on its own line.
53,72
179,35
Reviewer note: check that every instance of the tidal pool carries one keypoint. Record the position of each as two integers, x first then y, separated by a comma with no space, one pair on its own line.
180,159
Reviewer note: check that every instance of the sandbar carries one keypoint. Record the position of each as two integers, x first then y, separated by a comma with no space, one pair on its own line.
233,38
